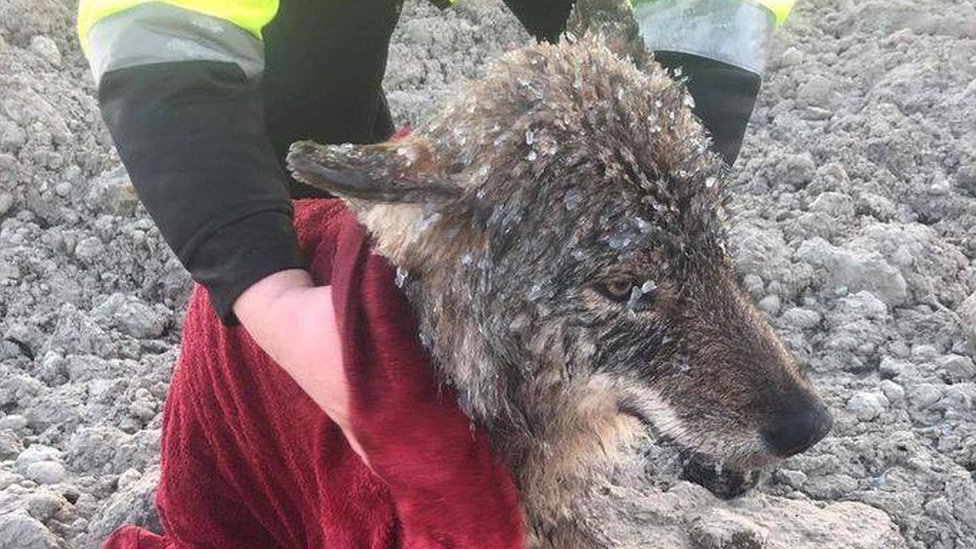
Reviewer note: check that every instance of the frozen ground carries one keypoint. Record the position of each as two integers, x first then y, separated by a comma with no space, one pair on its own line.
854,225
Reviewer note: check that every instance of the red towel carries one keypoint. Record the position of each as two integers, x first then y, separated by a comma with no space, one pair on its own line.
249,461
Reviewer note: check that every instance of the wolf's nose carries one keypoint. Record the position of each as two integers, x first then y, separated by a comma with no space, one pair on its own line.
791,434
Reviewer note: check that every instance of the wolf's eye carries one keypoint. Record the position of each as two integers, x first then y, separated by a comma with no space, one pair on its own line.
616,290
635,295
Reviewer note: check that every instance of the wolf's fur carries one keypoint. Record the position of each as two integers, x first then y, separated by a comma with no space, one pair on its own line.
563,175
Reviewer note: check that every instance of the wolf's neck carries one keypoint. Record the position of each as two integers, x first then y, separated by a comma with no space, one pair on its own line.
545,443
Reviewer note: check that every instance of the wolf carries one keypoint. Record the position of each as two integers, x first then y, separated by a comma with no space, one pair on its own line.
559,231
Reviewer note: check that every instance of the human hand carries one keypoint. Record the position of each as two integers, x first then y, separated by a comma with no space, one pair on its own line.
294,321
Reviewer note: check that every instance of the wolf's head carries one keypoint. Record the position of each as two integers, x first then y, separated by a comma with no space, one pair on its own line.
559,227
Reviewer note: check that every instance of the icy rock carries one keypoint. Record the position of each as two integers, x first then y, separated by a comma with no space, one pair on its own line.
86,504
924,352
959,397
9,269
20,531
70,493
753,284
94,448
138,452
967,317
829,177
940,186
77,333
86,368
132,504
864,304
856,270
51,369
790,57
44,505
47,49
894,392
770,304
61,409
758,250
6,199
46,472
20,488
175,281
763,252
12,138
899,349
19,390
140,320
817,92
8,479
956,368
867,406
130,315
25,335
35,453
879,207
76,528
13,422
800,318
89,249
925,395
10,444
722,529
128,477
796,170
844,525
112,193
142,409
794,479
836,205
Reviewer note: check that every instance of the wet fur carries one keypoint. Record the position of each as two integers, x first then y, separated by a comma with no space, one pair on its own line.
564,169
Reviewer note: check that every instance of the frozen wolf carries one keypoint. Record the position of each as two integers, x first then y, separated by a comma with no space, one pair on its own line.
559,231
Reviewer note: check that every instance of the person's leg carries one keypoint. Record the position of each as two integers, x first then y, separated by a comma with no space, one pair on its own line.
724,95
324,67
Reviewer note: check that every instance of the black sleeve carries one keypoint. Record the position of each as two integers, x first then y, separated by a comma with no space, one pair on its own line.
193,138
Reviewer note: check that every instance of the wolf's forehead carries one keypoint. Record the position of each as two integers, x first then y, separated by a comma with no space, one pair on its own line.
562,87
590,131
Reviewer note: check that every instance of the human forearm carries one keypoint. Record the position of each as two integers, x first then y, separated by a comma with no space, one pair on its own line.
191,135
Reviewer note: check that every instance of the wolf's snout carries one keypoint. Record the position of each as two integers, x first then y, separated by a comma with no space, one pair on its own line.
793,433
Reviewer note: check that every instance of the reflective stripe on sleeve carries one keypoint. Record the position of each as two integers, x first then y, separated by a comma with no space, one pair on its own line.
250,15
779,8
160,33
731,31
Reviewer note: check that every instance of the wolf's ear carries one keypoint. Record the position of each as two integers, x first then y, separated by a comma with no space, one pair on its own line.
399,172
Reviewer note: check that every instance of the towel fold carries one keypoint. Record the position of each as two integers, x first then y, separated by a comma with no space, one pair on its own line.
249,461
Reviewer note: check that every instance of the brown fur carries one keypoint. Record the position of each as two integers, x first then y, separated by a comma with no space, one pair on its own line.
564,174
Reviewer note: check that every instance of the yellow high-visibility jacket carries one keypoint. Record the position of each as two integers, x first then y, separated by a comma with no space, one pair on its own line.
249,16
